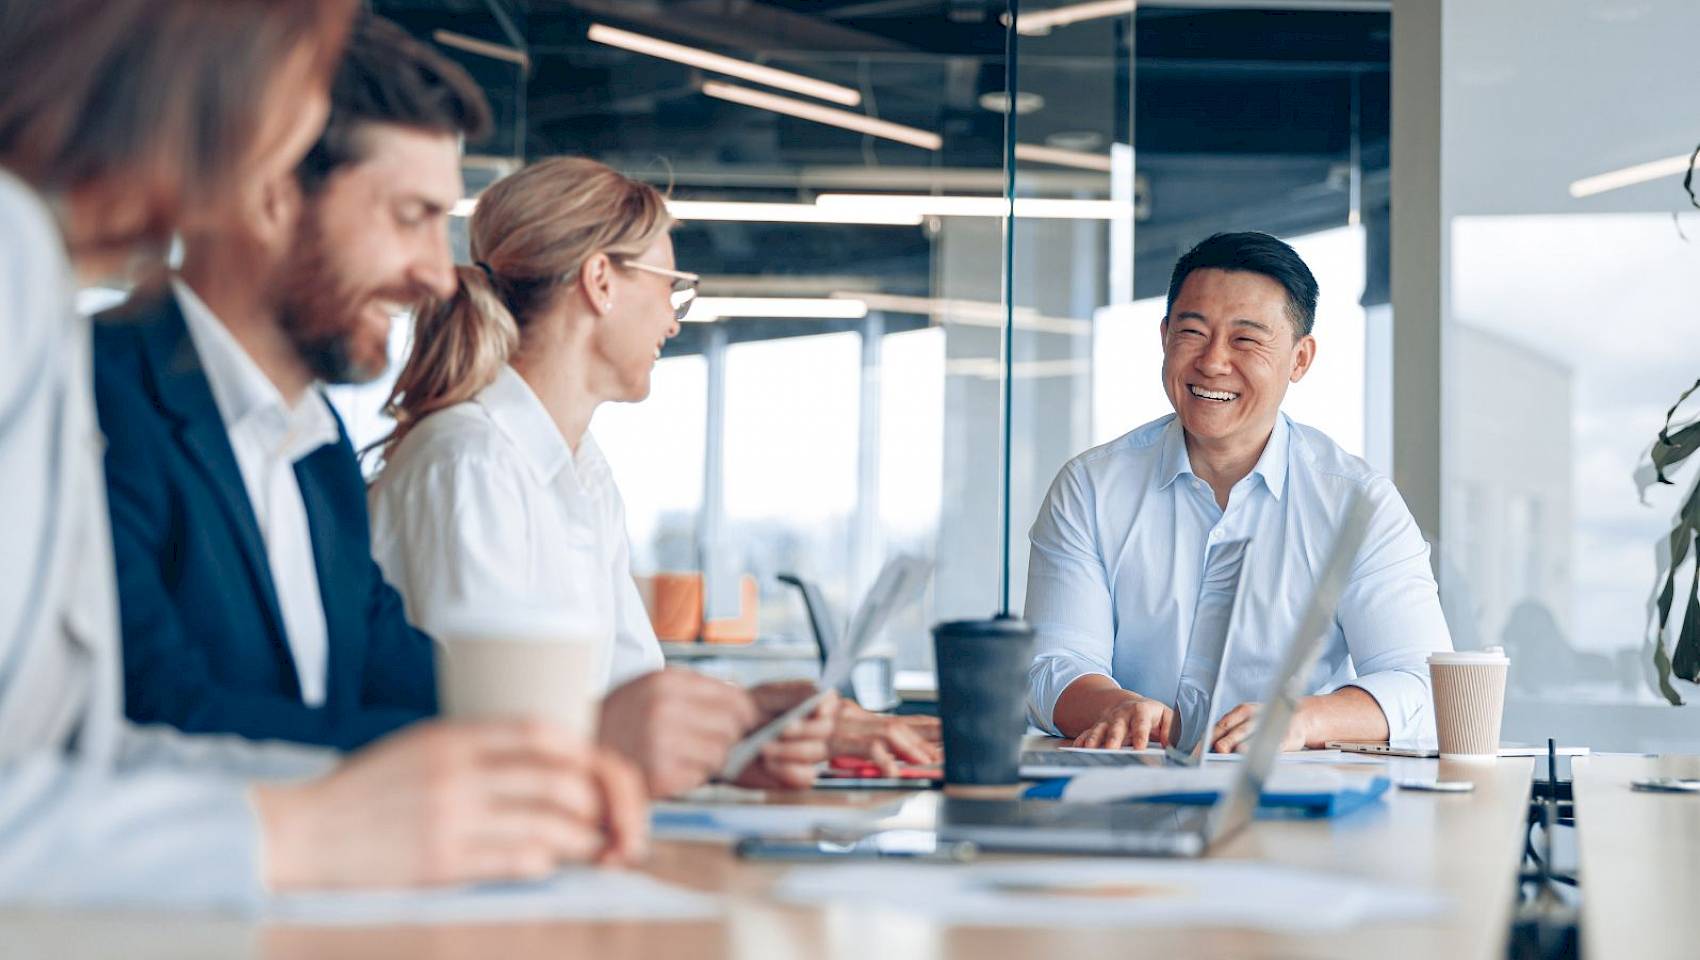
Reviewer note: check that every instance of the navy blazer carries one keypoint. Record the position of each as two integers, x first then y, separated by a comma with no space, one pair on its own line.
203,638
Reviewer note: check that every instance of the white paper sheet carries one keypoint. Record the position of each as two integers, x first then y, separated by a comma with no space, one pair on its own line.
1114,893
1103,784
583,893
721,821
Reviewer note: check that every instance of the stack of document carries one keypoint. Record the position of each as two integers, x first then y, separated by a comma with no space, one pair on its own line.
1310,789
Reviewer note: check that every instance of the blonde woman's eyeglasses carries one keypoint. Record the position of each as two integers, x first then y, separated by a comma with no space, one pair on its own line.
684,284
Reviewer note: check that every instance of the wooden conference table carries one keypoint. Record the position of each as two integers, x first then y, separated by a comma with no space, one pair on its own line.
1639,859
1467,846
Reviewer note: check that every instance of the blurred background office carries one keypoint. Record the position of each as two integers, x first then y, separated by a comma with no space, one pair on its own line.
837,396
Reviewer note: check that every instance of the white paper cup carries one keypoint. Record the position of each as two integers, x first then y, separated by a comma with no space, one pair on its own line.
518,664
1469,701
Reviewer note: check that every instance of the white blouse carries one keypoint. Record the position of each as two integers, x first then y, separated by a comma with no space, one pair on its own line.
484,506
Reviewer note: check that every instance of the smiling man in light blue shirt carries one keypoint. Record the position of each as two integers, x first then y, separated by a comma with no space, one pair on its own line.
1137,537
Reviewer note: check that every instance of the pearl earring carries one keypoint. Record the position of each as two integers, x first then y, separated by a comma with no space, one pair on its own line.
607,304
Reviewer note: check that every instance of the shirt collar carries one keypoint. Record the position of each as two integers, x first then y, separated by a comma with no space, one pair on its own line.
246,398
1271,465
522,418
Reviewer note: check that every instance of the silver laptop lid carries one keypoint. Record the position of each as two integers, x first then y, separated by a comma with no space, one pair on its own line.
1289,685
1220,605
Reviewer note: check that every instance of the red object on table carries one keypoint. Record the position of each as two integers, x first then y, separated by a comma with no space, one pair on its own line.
863,768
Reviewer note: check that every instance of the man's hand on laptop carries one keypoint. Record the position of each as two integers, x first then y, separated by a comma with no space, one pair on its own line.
1134,723
1233,732
1349,713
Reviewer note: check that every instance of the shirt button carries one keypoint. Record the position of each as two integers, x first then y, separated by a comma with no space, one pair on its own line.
1215,535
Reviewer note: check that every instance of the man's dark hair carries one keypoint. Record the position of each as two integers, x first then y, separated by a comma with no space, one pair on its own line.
1258,253
389,77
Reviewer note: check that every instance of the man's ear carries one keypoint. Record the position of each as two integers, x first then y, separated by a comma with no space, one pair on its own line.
1304,354
275,212
1163,333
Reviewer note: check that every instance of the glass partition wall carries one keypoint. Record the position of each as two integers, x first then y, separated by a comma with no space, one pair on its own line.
1574,277
840,172
831,166
1153,128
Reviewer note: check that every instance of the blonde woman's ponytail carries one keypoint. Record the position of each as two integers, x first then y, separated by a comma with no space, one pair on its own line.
531,234
459,345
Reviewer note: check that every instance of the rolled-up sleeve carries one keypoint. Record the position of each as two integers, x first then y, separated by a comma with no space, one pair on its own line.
1068,597
1391,617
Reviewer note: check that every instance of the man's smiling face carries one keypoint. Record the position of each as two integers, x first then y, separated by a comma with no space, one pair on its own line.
1230,349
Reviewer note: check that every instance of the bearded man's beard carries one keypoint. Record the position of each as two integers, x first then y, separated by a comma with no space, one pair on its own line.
319,310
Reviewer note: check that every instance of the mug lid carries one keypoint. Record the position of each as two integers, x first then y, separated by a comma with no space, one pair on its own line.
990,626
1491,656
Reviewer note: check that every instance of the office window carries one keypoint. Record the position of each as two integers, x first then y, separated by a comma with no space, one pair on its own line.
1127,352
1569,331
655,449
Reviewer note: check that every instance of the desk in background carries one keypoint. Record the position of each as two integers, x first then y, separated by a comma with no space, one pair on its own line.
1639,859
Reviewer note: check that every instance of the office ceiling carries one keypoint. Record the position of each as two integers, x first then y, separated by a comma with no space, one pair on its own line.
1241,118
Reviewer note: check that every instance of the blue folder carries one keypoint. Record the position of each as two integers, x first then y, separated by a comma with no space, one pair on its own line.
1304,806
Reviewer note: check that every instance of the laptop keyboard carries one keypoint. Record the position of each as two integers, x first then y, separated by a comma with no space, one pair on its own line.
1069,758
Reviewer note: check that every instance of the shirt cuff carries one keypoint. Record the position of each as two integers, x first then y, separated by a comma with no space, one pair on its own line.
1048,678
1404,701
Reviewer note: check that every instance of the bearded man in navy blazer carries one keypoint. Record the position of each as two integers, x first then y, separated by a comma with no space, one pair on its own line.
249,600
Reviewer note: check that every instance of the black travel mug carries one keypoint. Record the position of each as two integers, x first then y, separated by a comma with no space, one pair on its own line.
982,671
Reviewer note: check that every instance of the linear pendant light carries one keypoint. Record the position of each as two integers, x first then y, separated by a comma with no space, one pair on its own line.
731,66
710,309
1058,156
928,205
1043,21
749,211
1630,176
831,116
483,48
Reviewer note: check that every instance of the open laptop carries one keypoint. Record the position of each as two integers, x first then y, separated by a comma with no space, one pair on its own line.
1221,607
1173,830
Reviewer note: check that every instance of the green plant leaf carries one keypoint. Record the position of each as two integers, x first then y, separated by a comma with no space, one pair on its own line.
1661,663
1685,662
1672,449
1671,413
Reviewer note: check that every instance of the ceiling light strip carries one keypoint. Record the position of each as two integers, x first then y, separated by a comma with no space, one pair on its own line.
927,205
1630,176
831,116
1043,21
731,66
748,211
709,309
483,48
754,212
1057,156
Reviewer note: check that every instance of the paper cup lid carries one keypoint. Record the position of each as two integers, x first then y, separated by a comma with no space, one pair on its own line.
1492,656
523,622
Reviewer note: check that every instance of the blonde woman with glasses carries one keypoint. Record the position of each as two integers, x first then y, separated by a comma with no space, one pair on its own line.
495,496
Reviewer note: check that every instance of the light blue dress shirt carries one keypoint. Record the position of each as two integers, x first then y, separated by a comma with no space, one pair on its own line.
1124,566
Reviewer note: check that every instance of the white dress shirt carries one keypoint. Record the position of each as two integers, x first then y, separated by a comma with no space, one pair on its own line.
93,811
269,437
1125,545
484,505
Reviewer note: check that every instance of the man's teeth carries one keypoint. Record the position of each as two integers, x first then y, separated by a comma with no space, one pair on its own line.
1221,396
